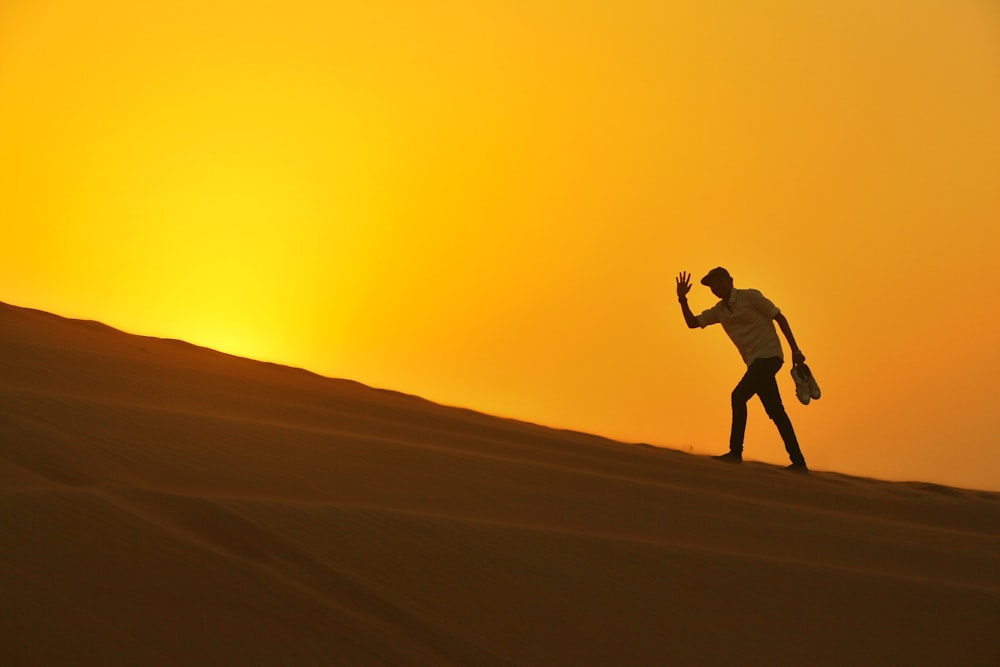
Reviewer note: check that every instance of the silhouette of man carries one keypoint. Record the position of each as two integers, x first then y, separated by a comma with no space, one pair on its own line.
748,318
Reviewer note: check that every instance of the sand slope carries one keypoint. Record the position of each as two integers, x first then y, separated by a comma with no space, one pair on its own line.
162,504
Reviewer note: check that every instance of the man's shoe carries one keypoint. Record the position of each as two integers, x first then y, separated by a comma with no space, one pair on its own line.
814,391
730,457
798,467
801,376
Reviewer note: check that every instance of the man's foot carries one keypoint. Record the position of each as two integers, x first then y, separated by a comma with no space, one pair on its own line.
798,467
730,457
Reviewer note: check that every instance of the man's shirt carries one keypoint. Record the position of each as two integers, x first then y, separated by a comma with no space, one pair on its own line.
748,318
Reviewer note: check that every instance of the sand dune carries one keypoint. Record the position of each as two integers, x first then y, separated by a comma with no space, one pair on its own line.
163,504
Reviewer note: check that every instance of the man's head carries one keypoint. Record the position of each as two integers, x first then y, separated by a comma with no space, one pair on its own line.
719,281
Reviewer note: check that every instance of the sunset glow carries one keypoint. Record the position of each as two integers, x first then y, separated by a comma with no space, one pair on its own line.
486,203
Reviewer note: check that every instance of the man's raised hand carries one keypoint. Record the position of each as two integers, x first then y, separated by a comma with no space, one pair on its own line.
683,284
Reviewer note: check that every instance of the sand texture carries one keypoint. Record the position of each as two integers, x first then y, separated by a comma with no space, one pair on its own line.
163,504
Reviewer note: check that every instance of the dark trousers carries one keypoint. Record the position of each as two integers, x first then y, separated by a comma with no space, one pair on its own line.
759,379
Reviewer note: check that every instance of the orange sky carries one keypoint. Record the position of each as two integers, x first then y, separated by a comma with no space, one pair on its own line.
486,203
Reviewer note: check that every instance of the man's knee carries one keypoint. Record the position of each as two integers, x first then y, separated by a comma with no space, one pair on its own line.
777,414
774,408
740,396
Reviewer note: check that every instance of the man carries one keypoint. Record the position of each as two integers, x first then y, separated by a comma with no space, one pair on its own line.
748,318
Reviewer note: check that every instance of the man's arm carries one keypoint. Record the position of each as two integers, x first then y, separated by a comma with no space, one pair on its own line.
683,287
797,356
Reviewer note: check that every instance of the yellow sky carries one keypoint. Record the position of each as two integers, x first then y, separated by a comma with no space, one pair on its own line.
486,203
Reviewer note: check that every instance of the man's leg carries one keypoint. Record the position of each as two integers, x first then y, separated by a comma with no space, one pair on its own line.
757,376
771,398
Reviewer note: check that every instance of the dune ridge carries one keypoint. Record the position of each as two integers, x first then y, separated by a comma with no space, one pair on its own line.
165,504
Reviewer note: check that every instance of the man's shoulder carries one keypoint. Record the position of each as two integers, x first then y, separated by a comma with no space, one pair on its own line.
750,293
757,299
718,306
711,315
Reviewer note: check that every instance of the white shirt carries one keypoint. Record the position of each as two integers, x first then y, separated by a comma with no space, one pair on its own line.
748,318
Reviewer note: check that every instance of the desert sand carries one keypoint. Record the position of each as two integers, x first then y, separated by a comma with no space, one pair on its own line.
164,504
